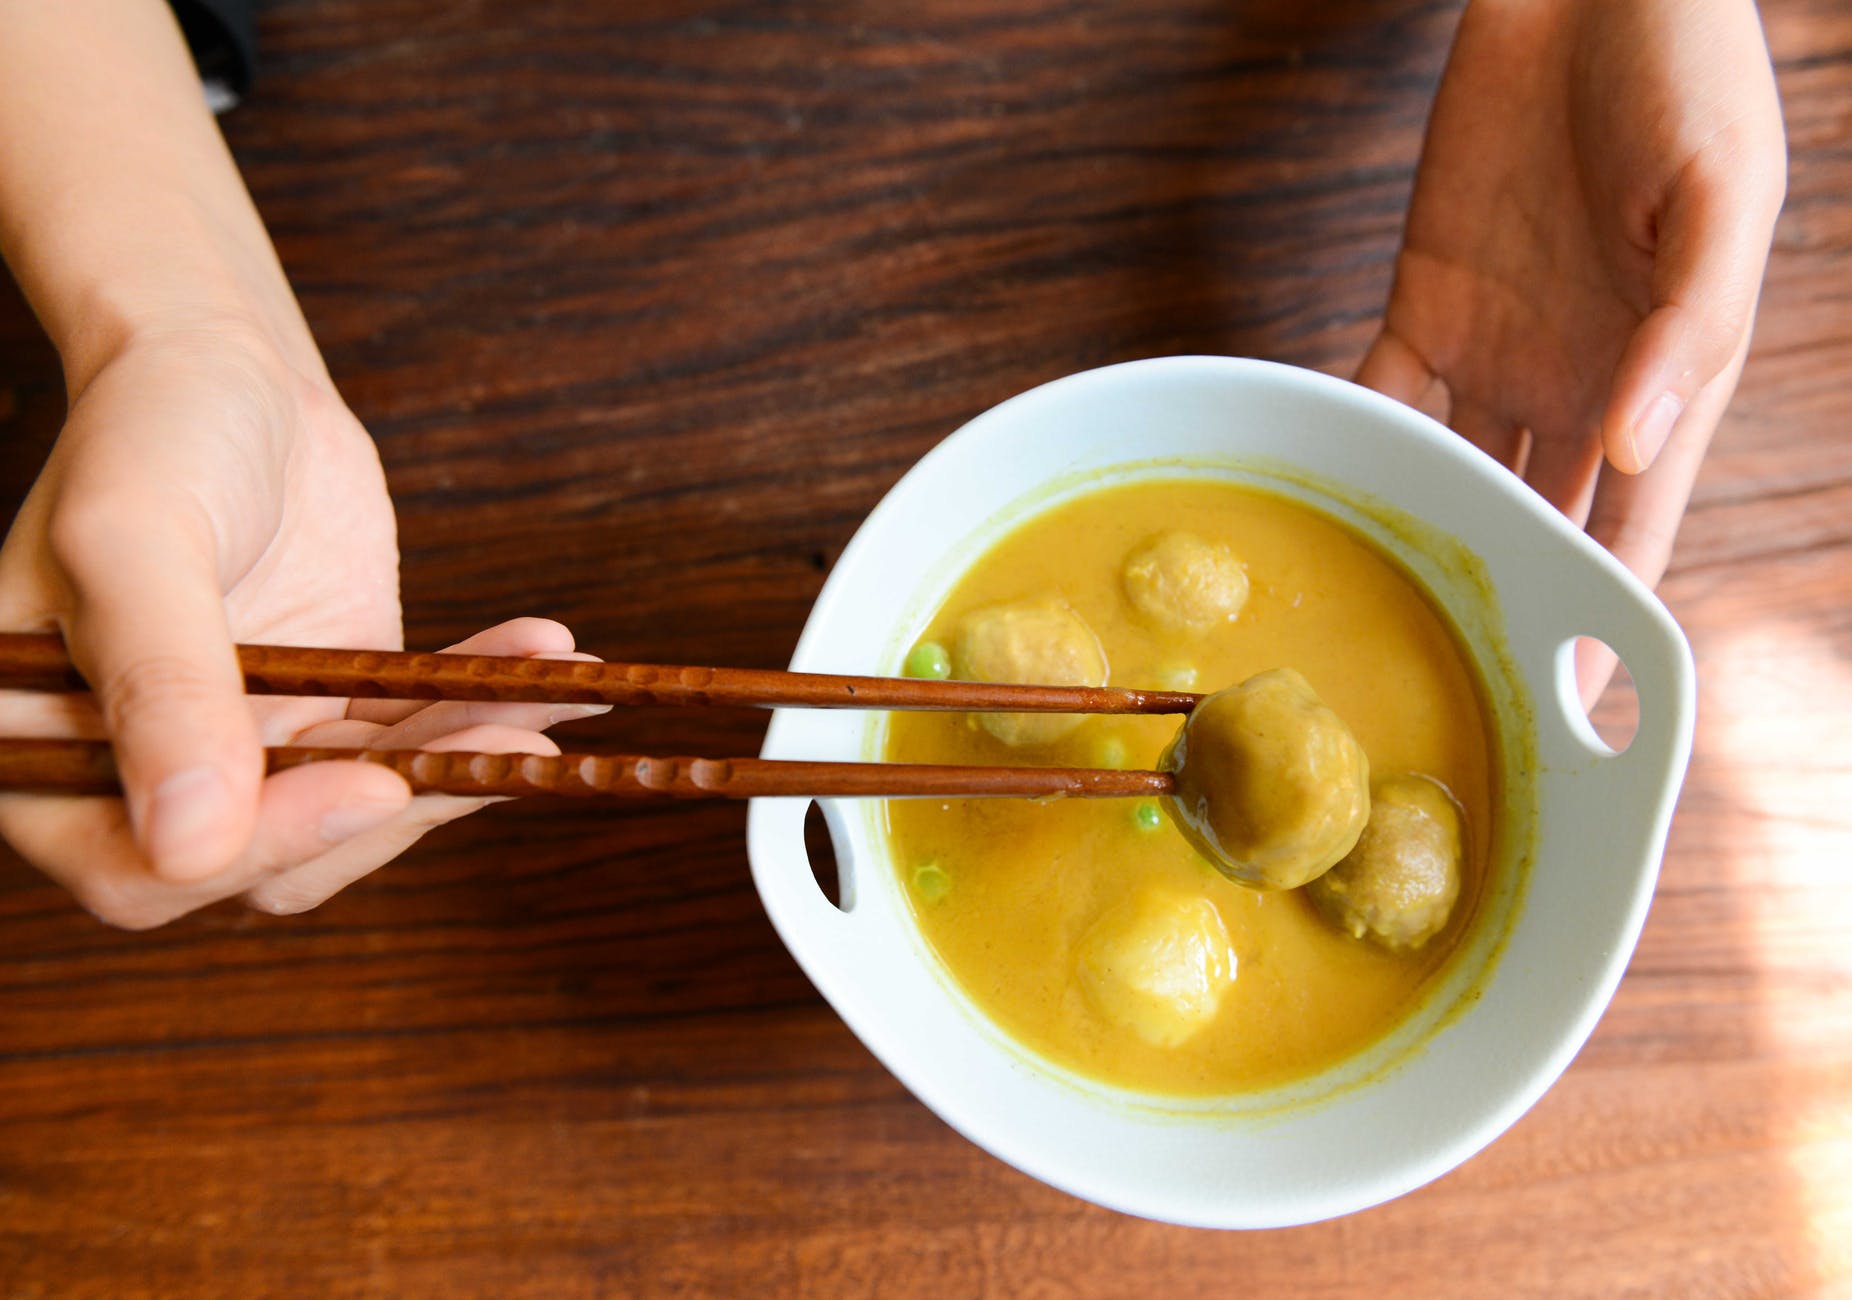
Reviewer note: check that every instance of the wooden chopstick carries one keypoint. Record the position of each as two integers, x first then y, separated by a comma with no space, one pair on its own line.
87,767
38,662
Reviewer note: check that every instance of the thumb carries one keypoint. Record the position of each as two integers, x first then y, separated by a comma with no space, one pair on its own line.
147,628
1713,241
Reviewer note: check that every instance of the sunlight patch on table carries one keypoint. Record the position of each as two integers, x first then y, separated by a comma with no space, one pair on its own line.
1779,706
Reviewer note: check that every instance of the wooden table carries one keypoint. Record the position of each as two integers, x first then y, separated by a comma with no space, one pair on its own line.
647,305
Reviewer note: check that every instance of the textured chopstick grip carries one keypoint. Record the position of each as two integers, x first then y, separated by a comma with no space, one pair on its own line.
87,767
33,661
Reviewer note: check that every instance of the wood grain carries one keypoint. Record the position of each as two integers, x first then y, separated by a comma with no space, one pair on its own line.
614,281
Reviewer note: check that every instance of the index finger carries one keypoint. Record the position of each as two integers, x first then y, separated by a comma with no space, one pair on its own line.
1636,516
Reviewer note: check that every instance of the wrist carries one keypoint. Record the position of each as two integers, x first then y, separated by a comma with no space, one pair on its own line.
120,206
194,283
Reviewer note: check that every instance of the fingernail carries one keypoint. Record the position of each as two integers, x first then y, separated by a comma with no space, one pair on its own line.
184,816
338,825
1655,426
573,712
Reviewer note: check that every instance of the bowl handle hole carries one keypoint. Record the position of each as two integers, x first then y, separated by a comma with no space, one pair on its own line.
820,848
1610,725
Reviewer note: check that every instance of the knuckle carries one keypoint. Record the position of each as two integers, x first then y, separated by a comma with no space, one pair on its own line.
1718,332
89,531
1717,162
158,682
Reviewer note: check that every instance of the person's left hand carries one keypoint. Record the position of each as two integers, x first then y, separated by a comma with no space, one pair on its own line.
1585,246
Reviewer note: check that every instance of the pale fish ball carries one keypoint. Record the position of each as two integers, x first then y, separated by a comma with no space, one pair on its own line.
1185,583
1158,964
1030,642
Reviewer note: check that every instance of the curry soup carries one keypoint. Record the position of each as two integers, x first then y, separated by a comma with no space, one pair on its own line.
1008,892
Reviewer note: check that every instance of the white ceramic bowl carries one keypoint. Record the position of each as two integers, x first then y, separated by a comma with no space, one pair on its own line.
1583,838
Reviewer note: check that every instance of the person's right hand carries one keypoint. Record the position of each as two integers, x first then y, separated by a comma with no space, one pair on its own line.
203,492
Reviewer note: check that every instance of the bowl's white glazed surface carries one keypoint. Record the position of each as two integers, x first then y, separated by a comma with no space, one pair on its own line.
1584,836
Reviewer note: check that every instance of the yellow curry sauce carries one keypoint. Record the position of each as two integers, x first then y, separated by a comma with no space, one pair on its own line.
1005,890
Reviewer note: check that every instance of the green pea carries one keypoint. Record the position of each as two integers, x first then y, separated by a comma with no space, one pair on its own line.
931,882
929,660
1148,815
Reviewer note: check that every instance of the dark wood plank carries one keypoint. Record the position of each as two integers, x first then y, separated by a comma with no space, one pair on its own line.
609,278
